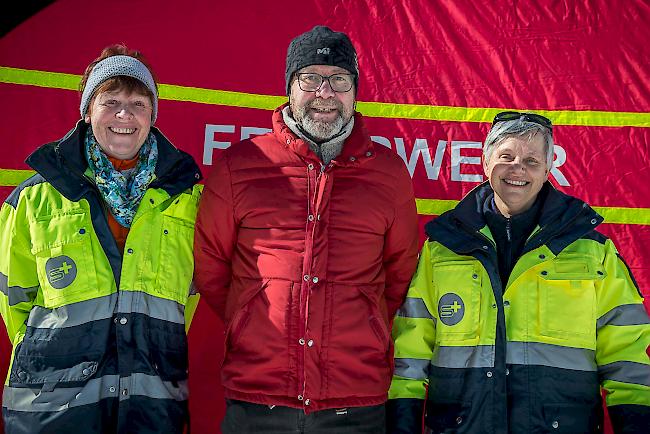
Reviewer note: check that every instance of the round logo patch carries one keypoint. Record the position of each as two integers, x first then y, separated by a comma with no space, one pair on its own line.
61,271
451,309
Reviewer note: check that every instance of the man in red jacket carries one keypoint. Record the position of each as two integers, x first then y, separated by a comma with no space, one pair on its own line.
305,243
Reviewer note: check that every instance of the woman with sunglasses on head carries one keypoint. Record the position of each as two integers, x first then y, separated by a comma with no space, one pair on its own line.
96,267
520,311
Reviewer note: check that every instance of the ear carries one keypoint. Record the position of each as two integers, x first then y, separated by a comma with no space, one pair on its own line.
87,119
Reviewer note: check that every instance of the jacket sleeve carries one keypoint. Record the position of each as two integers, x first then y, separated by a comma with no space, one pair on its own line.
621,347
401,244
19,283
414,331
215,237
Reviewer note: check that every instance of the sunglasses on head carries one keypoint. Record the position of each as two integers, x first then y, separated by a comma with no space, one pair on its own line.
530,117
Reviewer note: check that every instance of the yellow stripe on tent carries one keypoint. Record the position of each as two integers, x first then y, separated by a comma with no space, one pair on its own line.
589,118
635,216
434,206
614,215
13,177
220,97
30,77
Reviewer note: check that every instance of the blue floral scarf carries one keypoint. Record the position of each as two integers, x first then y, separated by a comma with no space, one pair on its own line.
122,191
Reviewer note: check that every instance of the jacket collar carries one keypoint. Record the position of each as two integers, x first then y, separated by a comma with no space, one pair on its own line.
357,148
563,219
62,163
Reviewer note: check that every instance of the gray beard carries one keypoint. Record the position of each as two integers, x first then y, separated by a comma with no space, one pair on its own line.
318,130
321,131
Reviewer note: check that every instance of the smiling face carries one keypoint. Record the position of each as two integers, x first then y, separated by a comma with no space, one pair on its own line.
322,114
120,121
517,170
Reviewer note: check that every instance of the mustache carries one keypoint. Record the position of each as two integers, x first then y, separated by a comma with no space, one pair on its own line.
325,105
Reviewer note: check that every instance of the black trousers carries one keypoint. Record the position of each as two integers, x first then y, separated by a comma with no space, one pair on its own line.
248,418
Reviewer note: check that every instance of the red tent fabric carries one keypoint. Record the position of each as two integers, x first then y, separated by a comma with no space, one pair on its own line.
433,74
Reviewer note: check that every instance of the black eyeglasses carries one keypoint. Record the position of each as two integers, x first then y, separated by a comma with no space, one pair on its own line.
311,82
530,117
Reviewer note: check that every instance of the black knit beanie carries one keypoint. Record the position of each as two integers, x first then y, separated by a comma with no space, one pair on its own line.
321,46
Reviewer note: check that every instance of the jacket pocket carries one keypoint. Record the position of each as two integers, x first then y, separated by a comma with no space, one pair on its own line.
457,286
237,324
170,365
176,264
567,300
355,335
257,336
445,417
571,419
35,370
57,380
240,315
378,316
168,352
62,247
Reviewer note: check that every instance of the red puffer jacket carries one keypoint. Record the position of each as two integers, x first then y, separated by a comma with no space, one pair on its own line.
306,266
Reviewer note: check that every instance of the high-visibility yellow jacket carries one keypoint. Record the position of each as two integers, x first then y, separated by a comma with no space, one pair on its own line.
528,355
99,341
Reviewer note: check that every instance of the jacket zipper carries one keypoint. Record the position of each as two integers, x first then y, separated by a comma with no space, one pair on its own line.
319,190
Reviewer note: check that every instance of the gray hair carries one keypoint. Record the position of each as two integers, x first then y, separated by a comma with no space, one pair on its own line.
522,129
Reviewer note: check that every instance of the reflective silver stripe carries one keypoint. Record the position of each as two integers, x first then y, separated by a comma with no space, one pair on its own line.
556,356
481,356
83,312
414,308
72,315
417,369
152,306
96,389
35,400
626,314
626,372
16,294
153,387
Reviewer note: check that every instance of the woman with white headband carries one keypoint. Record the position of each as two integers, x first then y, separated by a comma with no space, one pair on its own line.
96,267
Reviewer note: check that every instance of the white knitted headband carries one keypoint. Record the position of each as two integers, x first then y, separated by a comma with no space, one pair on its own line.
112,67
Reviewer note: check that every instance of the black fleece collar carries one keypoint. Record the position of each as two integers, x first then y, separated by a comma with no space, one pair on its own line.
521,225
